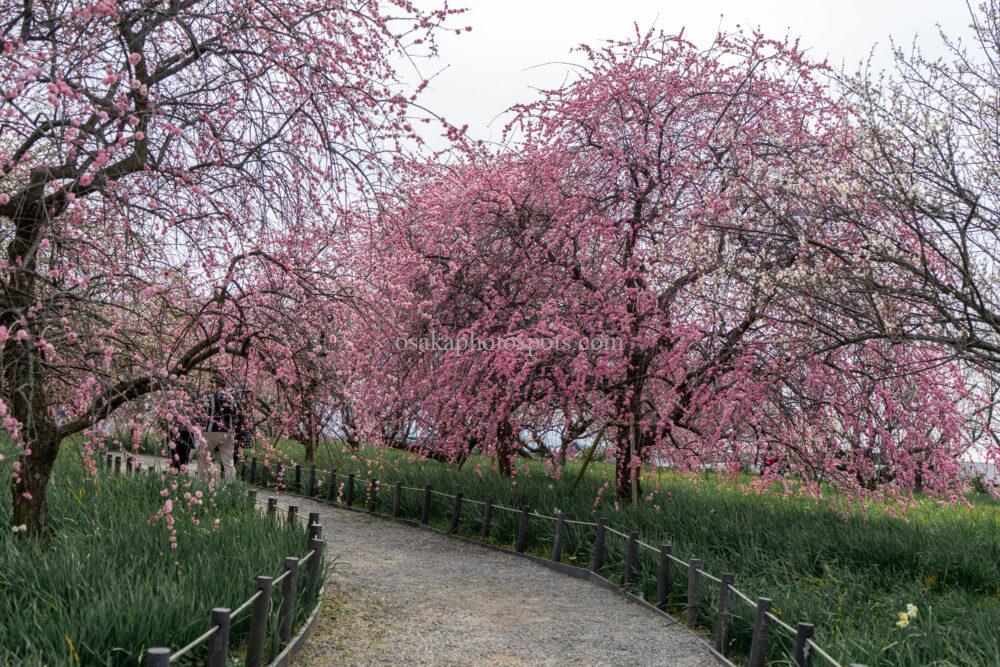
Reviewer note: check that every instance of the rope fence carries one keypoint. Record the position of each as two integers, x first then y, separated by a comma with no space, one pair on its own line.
216,640
721,588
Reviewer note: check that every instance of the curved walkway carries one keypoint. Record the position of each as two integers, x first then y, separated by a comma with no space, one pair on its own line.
404,596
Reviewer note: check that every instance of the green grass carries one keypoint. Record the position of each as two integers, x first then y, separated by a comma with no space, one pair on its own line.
109,586
846,571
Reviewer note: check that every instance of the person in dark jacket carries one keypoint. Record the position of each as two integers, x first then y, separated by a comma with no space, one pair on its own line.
180,443
220,409
243,428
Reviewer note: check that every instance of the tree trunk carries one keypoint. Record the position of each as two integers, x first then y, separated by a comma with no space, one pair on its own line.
28,492
505,450
24,390
627,485
310,438
628,458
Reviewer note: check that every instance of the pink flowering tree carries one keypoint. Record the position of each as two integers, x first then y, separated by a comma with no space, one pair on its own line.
648,262
170,181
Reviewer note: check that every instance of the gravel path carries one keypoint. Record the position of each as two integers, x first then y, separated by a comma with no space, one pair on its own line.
399,595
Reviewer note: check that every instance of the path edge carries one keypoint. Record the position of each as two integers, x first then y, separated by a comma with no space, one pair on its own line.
298,642
562,568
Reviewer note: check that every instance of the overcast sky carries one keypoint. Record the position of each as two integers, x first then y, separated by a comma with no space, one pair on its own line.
503,59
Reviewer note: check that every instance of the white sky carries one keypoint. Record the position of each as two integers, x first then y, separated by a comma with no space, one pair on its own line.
503,59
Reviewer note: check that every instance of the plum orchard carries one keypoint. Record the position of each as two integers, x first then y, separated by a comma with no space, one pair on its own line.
170,180
687,205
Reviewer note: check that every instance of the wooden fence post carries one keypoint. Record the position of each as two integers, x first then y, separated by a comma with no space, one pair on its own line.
272,506
557,542
118,464
298,478
372,494
456,513
158,657
425,508
522,531
243,470
108,463
293,514
264,474
663,576
313,529
258,622
312,481
312,571
487,520
349,495
331,486
253,470
218,644
288,588
694,592
803,651
725,603
597,562
758,644
397,498
631,554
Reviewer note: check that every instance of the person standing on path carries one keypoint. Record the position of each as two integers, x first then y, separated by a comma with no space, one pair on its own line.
220,409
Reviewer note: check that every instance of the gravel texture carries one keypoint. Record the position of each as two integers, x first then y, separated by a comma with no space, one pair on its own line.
399,595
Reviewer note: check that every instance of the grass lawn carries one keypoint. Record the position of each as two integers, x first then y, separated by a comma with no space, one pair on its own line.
845,571
109,585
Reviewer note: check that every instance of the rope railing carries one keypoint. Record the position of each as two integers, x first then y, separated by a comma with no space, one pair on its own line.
180,653
220,619
805,647
246,605
823,654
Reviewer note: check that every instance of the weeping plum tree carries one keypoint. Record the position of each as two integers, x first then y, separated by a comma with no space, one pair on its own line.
170,179
929,209
647,262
